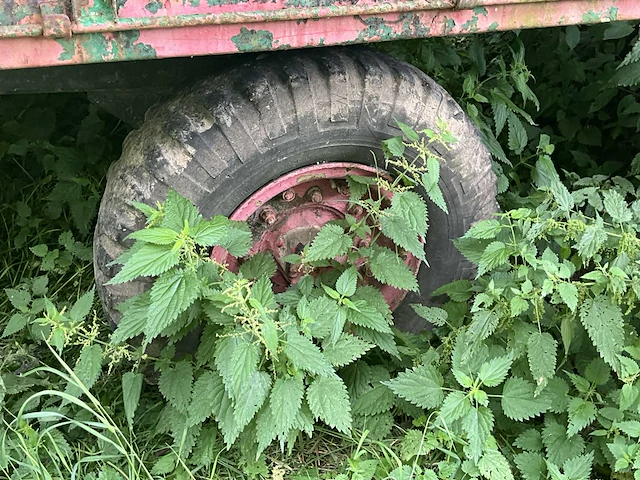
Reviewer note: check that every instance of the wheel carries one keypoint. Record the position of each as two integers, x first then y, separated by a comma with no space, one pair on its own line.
239,133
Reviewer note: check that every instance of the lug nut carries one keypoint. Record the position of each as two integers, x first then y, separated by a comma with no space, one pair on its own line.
314,194
268,215
356,210
289,195
343,189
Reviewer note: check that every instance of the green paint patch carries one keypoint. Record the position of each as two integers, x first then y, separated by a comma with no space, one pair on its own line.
493,27
96,47
613,13
449,25
590,17
377,29
253,40
481,11
153,6
310,3
471,25
214,3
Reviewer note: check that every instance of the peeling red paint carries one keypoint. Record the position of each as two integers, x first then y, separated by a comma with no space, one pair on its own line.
255,25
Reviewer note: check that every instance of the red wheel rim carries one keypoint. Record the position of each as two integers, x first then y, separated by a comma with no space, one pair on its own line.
287,213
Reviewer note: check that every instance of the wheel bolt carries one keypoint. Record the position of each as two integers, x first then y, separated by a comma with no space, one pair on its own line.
289,195
356,210
268,215
343,189
314,194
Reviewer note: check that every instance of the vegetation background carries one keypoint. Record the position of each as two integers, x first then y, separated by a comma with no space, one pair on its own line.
75,406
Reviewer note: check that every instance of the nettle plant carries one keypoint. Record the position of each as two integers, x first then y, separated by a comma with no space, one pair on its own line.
535,363
268,366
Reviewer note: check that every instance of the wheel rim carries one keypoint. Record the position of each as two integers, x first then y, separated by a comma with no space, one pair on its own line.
287,213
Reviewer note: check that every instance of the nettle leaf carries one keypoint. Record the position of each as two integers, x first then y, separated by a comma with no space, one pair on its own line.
347,349
330,242
20,299
499,116
484,230
517,134
592,240
541,352
558,445
251,397
412,209
389,269
244,362
329,402
226,418
147,261
208,393
210,232
134,317
496,254
478,425
367,316
518,401
430,181
458,291
87,369
483,325
374,401
175,385
258,266
421,386
131,389
82,307
530,440
616,206
455,406
531,465
171,295
285,402
579,468
347,282
434,315
16,323
396,229
569,294
157,236
493,372
494,466
604,323
305,355
237,239
179,211
581,414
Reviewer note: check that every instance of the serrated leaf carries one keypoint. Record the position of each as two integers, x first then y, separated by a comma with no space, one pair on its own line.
147,261
541,353
171,295
377,400
330,242
484,230
396,229
458,291
82,307
367,316
455,406
478,425
347,282
157,236
531,465
178,211
389,269
518,401
237,239
208,393
244,361
494,255
493,372
628,395
581,414
483,325
412,209
530,440
616,206
499,116
558,445
212,232
15,324
175,385
329,401
434,315
569,294
131,389
305,355
604,323
134,317
421,386
251,397
87,369
258,266
20,299
592,240
579,468
347,349
631,428
385,341
517,134
285,402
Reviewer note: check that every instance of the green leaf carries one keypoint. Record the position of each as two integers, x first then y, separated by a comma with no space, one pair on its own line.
394,146
244,363
210,232
615,206
531,465
39,286
82,307
157,236
237,239
496,254
330,242
517,134
396,229
147,261
558,445
541,352
493,372
39,250
305,355
347,349
581,414
208,393
518,401
134,317
484,230
258,266
483,325
175,385
87,369
329,402
499,116
572,36
569,294
434,315
131,389
592,240
409,132
421,386
494,466
251,397
579,468
377,400
412,209
458,291
604,323
529,440
16,323
171,295
455,406
628,395
347,282
178,211
285,402
367,316
20,299
631,428
478,425
389,269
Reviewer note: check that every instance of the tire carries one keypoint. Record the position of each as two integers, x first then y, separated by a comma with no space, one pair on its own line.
230,134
